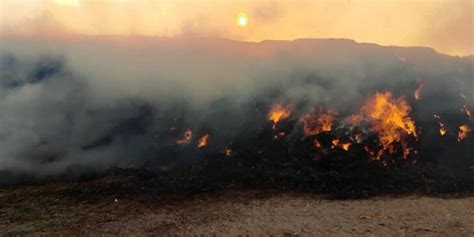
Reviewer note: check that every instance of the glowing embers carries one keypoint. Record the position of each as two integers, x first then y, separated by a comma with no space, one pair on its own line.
279,112
279,135
202,142
346,146
337,143
227,152
442,128
318,121
464,129
465,110
327,144
463,132
188,135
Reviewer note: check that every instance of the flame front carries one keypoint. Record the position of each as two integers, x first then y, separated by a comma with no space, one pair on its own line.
318,121
388,117
279,112
463,132
202,142
188,135
382,115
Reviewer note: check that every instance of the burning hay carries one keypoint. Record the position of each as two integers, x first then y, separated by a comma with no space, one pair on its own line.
279,112
250,122
318,121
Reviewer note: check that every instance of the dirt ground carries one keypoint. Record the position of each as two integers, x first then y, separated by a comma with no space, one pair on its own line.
291,215
231,212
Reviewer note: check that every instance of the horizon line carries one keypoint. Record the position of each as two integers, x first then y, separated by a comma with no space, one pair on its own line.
76,36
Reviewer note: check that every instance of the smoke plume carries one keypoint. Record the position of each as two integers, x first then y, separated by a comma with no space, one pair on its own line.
93,103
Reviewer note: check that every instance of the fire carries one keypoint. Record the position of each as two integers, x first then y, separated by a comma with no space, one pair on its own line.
228,152
188,135
358,137
318,121
337,143
388,117
417,93
354,119
466,111
346,146
442,128
279,112
202,142
317,144
464,131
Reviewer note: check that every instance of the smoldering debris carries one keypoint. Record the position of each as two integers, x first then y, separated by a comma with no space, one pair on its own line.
83,108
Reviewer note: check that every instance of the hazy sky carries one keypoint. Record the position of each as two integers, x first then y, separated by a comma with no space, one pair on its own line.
446,25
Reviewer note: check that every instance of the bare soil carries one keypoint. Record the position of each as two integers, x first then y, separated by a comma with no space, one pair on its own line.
61,209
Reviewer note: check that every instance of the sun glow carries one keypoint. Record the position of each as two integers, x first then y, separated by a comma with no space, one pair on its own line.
72,3
242,20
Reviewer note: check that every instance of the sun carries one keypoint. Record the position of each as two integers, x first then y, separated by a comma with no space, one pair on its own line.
242,20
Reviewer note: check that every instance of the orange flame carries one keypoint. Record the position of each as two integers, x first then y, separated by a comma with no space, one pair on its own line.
337,143
442,128
316,144
417,93
388,117
279,112
202,142
464,131
188,135
346,146
318,121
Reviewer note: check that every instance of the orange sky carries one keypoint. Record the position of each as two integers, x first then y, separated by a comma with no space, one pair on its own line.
446,25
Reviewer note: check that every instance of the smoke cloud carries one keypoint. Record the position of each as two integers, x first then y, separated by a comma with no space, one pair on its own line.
95,103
